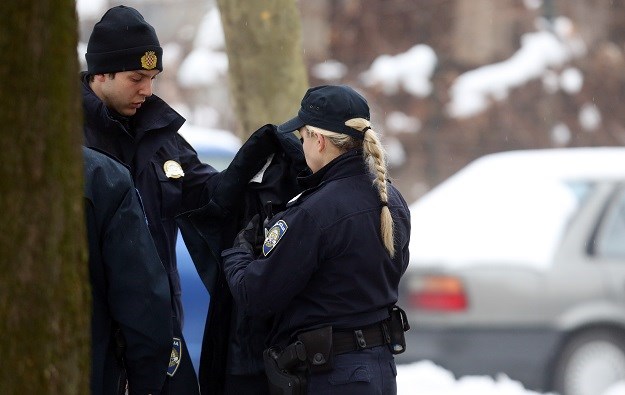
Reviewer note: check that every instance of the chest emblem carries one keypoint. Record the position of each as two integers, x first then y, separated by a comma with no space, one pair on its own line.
273,236
173,169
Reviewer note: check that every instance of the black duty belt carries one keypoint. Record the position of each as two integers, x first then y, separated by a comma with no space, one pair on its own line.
359,339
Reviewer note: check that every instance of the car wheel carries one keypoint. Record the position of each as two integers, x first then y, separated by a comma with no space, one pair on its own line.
589,363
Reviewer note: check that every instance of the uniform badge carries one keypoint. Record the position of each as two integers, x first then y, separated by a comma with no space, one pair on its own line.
175,357
149,60
273,236
173,169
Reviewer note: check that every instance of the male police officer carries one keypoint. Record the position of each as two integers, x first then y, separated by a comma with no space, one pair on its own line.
125,119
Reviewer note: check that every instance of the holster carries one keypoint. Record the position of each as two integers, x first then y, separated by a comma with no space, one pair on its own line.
284,369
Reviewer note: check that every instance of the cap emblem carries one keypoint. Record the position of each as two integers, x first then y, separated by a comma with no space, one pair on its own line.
149,60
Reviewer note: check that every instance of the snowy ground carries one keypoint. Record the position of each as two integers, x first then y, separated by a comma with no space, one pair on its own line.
426,378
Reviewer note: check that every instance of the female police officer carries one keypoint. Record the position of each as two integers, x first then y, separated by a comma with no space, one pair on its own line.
330,264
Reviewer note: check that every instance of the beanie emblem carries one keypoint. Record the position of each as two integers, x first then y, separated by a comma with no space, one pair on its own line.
149,60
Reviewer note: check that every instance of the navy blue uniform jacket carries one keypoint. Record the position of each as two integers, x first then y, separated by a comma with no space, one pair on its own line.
323,261
130,291
154,141
148,140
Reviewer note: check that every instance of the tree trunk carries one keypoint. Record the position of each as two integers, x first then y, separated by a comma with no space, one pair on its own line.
266,68
483,31
44,289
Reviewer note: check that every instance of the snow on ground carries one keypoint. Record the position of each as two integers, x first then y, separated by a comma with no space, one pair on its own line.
426,378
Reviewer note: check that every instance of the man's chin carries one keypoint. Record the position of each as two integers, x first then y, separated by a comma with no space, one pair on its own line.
129,112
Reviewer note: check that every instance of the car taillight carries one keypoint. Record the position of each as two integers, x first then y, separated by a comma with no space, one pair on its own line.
442,293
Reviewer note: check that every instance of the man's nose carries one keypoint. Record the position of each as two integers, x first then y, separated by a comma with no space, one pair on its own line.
146,88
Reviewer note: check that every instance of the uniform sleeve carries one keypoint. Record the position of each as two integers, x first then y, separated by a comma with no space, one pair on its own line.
138,294
199,179
401,216
267,284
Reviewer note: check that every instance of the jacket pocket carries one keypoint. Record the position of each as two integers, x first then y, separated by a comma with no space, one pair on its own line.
170,192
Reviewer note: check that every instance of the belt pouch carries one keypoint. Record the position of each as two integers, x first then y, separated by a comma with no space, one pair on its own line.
318,343
397,324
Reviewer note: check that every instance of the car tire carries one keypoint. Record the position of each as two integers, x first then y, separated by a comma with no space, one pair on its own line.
590,362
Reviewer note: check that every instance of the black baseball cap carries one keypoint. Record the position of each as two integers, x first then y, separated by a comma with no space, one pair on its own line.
328,107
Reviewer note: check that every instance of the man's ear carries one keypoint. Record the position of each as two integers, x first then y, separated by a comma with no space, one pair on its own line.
99,77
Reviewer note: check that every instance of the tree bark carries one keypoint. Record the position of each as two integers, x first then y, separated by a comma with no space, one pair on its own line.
44,288
266,67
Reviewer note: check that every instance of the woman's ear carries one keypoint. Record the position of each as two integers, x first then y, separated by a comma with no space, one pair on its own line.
321,142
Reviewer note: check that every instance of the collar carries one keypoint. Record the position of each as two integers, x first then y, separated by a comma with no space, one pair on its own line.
153,114
347,164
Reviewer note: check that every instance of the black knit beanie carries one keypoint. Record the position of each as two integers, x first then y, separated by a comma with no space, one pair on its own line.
123,41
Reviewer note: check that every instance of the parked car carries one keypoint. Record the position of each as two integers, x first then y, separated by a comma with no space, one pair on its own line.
217,148
518,267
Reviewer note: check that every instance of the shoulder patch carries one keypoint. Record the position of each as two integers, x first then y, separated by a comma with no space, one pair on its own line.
273,236
175,357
